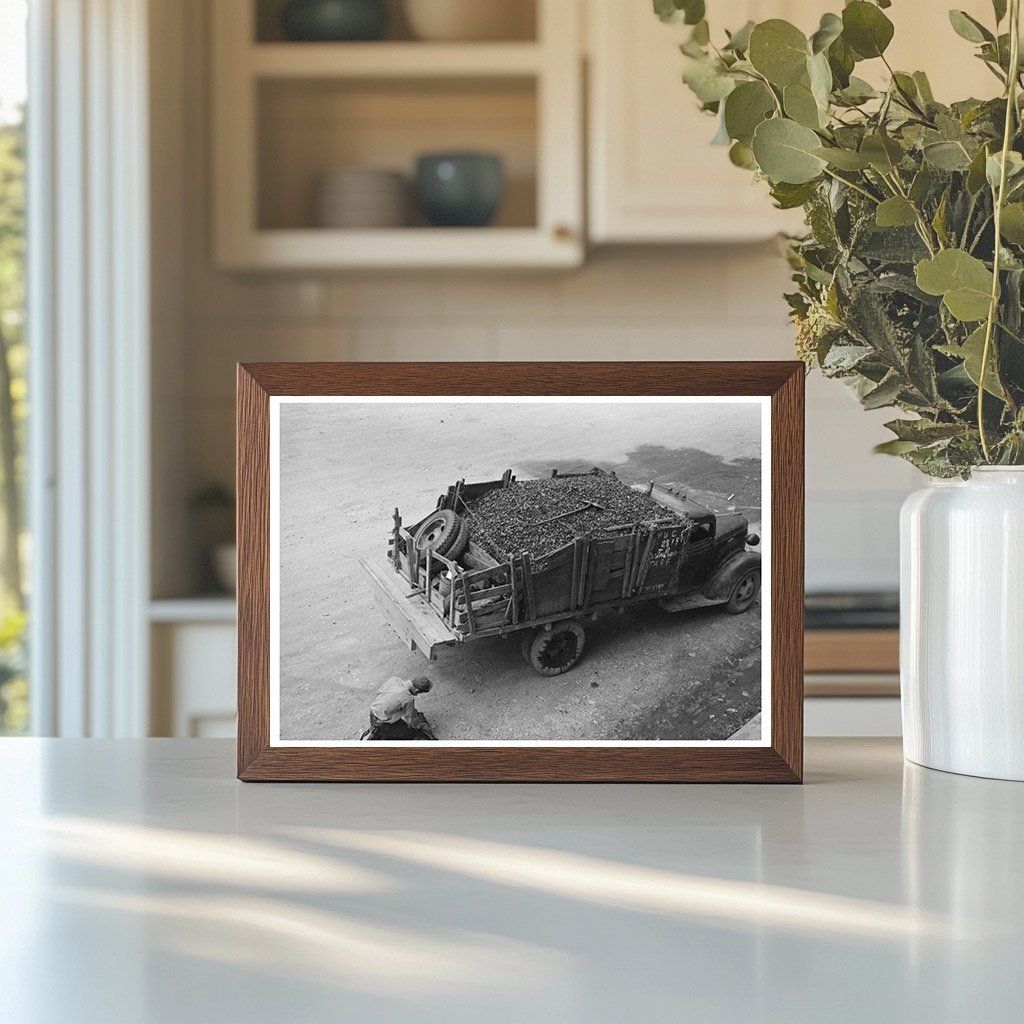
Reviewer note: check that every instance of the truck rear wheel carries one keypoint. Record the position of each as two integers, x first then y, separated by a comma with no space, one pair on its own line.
558,649
744,592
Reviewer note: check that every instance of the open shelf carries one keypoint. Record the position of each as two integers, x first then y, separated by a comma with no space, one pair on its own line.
519,16
393,60
287,113
308,127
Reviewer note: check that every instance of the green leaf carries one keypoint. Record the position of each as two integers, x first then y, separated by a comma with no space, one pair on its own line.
708,80
921,185
971,352
1012,226
896,447
778,50
745,108
923,431
896,212
785,152
741,155
999,7
947,156
844,159
830,29
789,197
858,91
969,28
963,281
739,41
976,174
887,393
939,220
1014,169
924,87
820,76
841,60
800,105
906,91
675,12
883,153
866,29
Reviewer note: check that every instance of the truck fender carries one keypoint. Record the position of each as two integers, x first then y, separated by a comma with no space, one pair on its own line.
725,576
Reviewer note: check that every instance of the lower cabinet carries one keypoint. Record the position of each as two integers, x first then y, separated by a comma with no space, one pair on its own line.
193,679
852,716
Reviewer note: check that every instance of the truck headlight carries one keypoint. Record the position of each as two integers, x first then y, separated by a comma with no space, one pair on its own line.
753,540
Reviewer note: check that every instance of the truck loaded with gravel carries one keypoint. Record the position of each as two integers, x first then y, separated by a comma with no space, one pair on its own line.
539,558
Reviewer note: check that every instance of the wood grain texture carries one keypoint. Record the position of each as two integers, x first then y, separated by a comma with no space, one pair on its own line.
781,762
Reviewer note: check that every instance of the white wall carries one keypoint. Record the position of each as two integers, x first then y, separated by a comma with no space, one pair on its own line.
666,303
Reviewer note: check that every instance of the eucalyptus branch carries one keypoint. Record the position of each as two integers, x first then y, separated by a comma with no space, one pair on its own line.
850,184
1000,199
981,231
923,227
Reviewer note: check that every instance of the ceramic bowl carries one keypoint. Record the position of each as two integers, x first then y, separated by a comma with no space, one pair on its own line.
334,20
470,20
359,197
460,189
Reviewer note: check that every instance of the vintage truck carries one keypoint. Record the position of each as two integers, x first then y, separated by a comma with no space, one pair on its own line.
439,585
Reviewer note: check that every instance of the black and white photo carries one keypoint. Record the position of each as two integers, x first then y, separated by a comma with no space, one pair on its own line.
550,571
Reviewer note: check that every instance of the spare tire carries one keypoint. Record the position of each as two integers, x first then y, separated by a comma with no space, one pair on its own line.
460,542
439,533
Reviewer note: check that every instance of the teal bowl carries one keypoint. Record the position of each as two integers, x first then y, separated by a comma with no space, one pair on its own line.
460,190
334,21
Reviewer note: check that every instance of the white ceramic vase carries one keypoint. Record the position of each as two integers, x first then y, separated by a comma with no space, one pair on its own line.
962,624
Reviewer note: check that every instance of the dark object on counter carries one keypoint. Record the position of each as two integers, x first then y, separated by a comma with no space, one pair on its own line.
864,610
461,190
332,21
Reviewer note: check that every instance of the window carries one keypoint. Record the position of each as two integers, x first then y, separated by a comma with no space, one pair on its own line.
14,548
702,532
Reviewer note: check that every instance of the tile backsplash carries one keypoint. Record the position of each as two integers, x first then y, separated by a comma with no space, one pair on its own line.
700,302
721,302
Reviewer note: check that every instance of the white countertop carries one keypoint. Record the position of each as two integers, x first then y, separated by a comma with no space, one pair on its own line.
143,885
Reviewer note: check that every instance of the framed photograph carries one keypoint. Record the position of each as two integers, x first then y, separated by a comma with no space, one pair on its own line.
520,572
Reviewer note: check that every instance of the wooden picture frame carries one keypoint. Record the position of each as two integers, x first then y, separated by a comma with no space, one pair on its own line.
779,759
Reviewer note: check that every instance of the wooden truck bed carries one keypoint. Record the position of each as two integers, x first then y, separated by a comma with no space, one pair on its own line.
407,612
439,602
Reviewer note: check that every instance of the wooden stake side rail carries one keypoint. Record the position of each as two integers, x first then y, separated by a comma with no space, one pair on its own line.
486,597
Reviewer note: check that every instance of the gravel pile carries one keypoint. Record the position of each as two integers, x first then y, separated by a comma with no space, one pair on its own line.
509,521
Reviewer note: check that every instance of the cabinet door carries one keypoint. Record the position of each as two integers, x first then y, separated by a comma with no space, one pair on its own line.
654,177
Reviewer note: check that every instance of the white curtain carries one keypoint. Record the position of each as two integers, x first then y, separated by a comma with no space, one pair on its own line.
88,317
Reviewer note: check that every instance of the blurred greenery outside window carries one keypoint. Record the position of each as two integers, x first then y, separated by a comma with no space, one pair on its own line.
14,546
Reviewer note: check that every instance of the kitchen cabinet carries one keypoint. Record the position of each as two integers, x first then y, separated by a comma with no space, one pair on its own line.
286,113
653,175
193,667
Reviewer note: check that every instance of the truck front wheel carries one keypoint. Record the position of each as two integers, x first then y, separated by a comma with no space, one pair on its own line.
744,592
556,650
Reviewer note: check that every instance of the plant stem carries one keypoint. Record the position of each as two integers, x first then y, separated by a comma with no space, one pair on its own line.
1000,199
923,228
856,188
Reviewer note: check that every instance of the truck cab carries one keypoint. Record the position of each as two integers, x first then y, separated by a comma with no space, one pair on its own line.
717,559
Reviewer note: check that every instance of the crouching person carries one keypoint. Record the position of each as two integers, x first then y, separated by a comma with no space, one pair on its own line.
394,715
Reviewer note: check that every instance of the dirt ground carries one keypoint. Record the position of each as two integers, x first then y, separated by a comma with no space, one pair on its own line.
646,674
